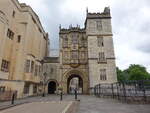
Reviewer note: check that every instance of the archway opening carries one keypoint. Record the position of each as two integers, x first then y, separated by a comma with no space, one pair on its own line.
51,87
75,82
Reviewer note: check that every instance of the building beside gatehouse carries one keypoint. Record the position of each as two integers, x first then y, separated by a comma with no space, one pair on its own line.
24,43
86,55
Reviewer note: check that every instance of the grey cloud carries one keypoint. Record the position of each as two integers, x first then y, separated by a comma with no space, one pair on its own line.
146,48
130,28
55,16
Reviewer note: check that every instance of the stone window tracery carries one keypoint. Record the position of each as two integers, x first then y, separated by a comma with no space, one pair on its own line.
101,57
103,74
100,41
99,24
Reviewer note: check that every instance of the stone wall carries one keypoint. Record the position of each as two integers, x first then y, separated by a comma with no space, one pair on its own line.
32,45
98,25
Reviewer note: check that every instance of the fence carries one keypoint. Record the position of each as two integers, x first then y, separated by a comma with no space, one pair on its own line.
128,91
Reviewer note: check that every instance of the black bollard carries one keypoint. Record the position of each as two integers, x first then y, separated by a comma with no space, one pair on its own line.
76,97
13,98
43,94
61,96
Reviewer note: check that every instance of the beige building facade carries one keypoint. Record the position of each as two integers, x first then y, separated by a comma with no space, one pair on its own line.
86,53
24,43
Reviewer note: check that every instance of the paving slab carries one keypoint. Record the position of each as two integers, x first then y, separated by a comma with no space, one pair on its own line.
92,104
88,104
39,107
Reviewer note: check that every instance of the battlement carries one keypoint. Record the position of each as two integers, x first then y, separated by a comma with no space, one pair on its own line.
104,14
71,29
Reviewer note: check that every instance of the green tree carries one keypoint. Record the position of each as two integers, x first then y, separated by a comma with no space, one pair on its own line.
133,72
137,72
120,75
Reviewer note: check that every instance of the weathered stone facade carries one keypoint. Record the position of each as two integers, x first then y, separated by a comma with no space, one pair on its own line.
23,44
87,53
101,59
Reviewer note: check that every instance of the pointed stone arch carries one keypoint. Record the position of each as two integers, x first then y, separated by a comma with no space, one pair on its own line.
79,73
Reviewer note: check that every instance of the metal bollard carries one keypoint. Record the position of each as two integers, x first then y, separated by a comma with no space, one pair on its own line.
43,94
13,98
76,97
61,96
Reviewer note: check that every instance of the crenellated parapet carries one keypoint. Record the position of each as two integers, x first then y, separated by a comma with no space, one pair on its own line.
103,15
71,29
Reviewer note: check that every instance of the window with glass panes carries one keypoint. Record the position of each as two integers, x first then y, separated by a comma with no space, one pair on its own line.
101,57
27,66
100,41
103,74
5,65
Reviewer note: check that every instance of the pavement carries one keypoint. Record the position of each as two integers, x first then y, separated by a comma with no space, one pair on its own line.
38,107
88,104
92,104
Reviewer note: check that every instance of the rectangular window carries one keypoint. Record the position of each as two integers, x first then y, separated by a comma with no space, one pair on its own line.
19,39
99,24
103,74
26,89
10,34
35,89
101,57
13,14
27,66
32,66
36,70
5,66
100,41
2,89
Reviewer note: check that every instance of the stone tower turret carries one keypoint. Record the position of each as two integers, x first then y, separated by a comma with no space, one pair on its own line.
101,58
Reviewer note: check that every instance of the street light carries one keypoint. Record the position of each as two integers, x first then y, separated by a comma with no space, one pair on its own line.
44,82
44,77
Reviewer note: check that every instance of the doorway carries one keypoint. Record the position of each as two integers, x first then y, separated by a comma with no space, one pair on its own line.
51,87
74,82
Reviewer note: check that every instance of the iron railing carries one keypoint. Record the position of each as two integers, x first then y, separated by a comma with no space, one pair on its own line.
128,91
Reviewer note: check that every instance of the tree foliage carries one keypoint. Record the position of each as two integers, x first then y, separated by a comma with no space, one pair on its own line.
133,72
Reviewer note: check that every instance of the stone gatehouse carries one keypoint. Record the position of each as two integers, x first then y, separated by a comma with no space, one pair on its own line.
86,56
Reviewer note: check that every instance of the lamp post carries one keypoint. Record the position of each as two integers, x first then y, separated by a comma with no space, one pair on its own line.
44,77
44,82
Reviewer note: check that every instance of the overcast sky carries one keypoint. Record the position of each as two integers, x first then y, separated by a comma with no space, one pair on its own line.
130,22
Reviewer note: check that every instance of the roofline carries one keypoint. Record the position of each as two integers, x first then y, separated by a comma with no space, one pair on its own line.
27,8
